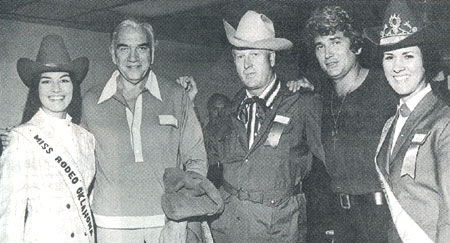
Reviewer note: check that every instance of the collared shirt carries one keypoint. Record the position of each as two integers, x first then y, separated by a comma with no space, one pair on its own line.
411,104
127,194
267,95
134,119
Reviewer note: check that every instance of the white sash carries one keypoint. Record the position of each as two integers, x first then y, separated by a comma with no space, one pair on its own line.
408,230
66,166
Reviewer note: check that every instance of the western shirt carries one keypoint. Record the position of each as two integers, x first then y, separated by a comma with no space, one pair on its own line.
35,203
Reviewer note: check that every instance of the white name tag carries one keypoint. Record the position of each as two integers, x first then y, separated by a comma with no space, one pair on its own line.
419,138
282,119
168,120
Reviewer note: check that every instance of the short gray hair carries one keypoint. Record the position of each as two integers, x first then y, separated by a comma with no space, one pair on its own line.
134,23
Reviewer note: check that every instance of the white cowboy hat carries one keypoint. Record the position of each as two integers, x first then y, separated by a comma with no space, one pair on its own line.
255,31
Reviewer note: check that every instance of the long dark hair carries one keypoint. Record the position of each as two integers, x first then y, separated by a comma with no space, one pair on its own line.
33,102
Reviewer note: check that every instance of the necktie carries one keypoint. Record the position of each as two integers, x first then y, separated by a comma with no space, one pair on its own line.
404,110
261,108
245,114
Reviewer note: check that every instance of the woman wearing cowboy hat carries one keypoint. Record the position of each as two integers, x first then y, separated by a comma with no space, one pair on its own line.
413,155
49,164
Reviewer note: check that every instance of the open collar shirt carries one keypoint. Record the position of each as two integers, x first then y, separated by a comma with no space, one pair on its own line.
134,148
134,119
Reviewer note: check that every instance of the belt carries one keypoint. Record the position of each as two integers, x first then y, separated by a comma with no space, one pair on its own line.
268,198
347,200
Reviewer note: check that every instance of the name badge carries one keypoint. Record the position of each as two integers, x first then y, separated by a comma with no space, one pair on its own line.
279,123
168,120
409,162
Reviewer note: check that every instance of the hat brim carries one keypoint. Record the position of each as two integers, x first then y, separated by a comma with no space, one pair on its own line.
275,44
427,36
28,70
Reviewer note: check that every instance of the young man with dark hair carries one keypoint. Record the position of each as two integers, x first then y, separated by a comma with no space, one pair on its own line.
356,103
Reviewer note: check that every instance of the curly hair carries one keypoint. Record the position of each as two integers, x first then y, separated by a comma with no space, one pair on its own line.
328,20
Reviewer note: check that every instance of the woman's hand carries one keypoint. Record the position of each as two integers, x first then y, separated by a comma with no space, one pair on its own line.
4,136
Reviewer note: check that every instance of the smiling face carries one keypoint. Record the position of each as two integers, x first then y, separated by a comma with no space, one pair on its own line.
254,68
55,93
334,55
132,54
404,70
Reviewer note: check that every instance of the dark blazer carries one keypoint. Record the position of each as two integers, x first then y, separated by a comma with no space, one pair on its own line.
422,185
267,168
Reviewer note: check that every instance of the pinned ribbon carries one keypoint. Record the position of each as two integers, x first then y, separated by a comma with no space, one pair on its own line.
279,123
409,162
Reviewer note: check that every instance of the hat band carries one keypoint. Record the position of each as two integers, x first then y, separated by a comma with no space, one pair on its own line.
392,39
53,65
240,48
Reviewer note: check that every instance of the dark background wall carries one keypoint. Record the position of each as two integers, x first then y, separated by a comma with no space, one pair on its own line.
212,68
190,34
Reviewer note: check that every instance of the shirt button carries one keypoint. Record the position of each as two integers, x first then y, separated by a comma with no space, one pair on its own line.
85,234
272,201
68,206
246,160
72,235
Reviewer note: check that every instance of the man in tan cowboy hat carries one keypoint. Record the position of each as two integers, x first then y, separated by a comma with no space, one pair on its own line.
269,150
413,154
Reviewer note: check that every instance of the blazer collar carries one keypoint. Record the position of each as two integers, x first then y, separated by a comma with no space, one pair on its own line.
275,101
421,110
267,122
414,101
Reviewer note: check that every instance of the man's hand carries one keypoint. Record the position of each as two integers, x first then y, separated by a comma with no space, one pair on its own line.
302,83
189,85
4,136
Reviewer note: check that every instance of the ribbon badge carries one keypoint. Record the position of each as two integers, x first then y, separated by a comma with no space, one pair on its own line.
279,123
409,162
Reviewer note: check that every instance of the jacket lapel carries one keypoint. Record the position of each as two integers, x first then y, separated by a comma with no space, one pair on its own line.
382,153
267,122
416,116
239,125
